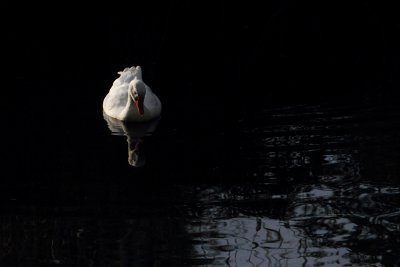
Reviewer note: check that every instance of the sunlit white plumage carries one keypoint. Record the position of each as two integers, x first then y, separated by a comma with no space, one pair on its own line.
130,99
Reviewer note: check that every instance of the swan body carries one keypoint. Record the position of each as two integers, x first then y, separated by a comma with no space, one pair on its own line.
130,99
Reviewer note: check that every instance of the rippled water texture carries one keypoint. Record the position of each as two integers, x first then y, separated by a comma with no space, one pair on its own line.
319,186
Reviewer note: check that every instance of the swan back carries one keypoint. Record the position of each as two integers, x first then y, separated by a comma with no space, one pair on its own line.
128,75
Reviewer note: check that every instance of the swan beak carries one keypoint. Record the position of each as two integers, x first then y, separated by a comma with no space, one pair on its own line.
139,105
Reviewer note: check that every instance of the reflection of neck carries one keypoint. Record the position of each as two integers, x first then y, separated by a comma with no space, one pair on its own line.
135,155
133,142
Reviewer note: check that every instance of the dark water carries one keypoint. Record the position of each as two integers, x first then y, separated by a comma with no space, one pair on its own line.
305,186
279,142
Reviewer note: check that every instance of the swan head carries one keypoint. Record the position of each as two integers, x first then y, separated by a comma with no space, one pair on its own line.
137,91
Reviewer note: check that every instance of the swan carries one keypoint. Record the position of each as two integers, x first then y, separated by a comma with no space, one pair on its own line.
130,99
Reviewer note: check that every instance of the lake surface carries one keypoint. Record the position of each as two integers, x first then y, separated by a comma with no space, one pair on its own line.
302,185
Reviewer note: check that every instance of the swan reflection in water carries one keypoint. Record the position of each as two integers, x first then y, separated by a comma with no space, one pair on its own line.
135,133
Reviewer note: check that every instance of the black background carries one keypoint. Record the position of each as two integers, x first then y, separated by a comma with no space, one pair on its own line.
285,49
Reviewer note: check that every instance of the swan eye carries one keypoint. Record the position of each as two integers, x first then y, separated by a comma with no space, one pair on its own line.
135,96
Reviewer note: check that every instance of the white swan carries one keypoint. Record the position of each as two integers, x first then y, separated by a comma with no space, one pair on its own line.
130,99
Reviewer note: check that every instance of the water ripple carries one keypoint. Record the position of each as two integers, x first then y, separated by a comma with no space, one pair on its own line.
317,197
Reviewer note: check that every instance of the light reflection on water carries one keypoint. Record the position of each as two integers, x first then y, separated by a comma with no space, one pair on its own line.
321,225
262,242
332,209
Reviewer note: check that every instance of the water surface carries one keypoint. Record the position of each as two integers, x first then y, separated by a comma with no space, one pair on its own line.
304,185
